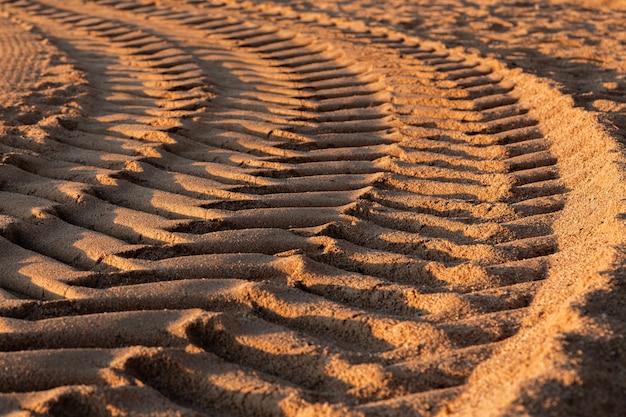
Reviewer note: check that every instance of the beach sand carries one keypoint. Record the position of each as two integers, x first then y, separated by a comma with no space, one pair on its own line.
294,208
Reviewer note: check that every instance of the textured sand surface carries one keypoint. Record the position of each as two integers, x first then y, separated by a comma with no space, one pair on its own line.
294,208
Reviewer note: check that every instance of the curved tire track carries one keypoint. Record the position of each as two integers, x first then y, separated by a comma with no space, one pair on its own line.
294,225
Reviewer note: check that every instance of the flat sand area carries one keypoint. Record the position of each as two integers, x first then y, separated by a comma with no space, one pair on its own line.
312,208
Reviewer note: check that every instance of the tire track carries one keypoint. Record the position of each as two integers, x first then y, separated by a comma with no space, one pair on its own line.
300,224
21,49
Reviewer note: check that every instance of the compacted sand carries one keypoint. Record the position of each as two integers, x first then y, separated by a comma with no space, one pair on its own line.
294,208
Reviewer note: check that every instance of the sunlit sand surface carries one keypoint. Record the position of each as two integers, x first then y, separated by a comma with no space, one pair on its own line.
348,208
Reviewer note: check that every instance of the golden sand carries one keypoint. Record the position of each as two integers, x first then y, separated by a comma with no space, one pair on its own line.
293,208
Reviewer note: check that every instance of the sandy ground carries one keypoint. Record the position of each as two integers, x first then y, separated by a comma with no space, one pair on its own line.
294,208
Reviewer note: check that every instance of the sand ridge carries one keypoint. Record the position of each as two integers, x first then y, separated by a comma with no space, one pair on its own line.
232,208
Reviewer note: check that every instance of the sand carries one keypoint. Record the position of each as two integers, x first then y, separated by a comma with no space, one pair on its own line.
293,208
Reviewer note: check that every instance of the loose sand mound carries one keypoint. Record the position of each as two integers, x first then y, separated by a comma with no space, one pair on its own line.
235,208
